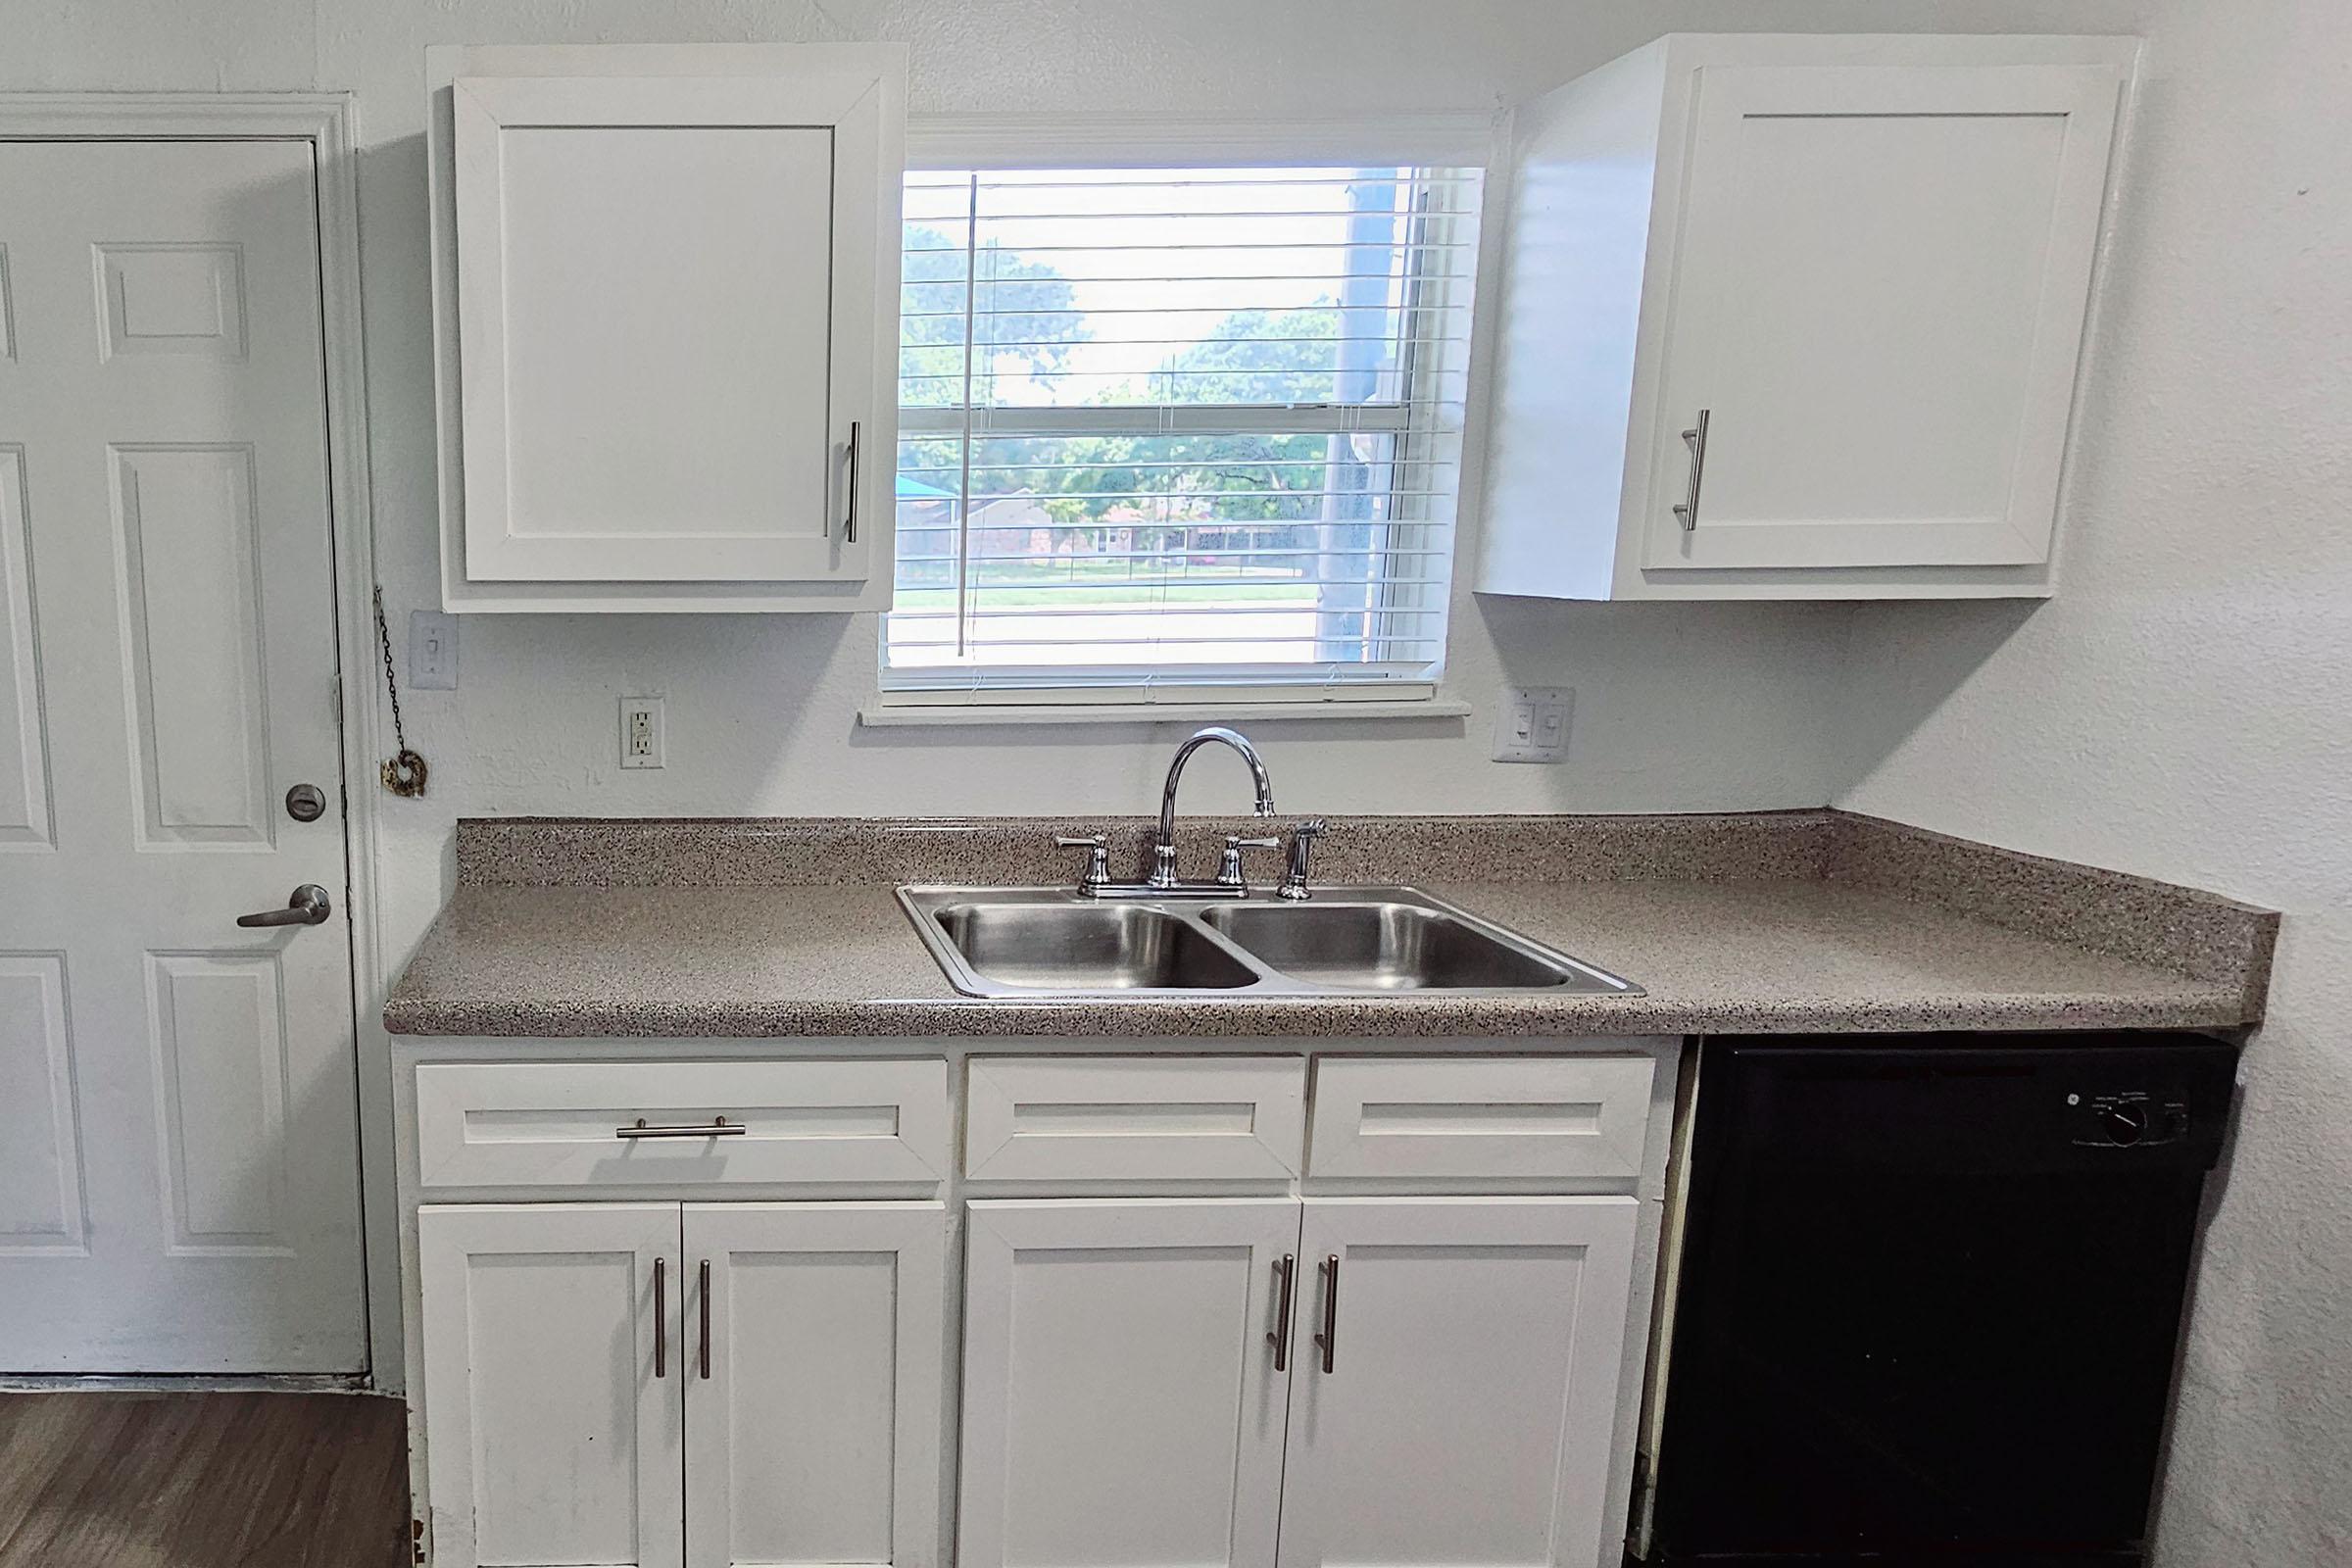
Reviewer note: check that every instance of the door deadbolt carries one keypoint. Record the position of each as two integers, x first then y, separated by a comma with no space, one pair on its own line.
306,803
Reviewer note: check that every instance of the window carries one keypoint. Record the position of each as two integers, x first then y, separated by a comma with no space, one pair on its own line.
1164,431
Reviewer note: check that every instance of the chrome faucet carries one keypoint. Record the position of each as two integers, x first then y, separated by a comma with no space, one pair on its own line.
1163,847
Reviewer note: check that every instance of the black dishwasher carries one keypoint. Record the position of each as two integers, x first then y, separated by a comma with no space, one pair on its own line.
1928,1297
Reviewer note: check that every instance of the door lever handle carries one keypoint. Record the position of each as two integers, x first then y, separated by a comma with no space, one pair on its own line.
307,905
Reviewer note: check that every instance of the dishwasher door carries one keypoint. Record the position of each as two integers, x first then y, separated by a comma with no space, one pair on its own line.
1929,1297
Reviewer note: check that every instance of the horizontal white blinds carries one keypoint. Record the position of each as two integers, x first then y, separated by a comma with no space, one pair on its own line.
1179,428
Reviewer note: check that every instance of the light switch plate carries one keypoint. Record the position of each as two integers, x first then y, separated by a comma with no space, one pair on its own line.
432,651
1531,723
641,732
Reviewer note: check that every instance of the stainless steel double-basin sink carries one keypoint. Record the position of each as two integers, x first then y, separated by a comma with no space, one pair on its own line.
1054,942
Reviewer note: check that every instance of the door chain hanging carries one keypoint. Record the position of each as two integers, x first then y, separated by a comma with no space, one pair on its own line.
403,774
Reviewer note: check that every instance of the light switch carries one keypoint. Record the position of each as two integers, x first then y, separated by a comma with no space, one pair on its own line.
432,651
1531,725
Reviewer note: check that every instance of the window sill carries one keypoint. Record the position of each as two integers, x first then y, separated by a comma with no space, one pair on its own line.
959,716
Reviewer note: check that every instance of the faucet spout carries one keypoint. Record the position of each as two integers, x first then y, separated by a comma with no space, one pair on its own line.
1163,847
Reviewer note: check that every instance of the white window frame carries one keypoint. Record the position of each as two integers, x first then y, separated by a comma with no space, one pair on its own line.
1036,142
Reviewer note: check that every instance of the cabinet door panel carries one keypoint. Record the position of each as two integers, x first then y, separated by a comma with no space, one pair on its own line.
1121,1408
549,1438
1476,1350
665,311
814,1430
1878,297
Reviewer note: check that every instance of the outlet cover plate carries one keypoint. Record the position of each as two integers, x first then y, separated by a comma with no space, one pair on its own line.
1531,724
641,737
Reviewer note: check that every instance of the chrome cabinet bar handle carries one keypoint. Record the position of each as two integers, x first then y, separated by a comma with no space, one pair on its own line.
307,905
1696,438
660,1318
721,1128
848,527
1286,1270
1329,1339
704,1287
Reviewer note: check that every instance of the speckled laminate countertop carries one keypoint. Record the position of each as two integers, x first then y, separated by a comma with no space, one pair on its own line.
1834,943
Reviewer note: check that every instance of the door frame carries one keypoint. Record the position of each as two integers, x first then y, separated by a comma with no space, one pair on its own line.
328,121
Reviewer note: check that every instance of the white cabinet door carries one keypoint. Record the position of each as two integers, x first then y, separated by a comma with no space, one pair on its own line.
1878,296
1455,1380
1122,1402
667,299
816,1346
553,1380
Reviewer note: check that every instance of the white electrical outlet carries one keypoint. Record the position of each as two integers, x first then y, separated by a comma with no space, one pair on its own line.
432,651
1531,725
641,732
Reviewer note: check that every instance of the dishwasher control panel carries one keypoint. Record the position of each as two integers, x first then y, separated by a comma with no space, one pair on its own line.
2127,1119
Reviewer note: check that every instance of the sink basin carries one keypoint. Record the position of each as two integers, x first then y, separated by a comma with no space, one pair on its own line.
1389,946
1055,942
1089,947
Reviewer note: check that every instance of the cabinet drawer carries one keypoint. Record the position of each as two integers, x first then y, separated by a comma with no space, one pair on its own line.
1514,1118
570,1124
1114,1118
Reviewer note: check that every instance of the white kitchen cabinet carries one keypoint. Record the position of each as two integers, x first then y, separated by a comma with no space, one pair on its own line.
1134,1118
659,1385
586,1126
1493,1119
1128,1395
666,290
553,1384
1798,318
1122,1399
816,1335
1449,1388
1455,1377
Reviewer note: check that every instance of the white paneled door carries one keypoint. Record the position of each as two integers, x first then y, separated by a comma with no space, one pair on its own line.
1122,1401
814,1348
1879,305
1456,1365
555,1368
178,1179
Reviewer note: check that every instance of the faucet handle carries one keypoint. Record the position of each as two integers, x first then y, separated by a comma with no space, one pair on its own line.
1098,858
1303,845
1228,865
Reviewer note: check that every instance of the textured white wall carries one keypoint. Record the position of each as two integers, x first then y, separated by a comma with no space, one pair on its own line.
2183,708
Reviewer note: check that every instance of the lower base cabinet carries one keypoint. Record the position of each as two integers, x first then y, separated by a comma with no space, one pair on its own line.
1323,1382
1454,1381
1122,1402
683,1385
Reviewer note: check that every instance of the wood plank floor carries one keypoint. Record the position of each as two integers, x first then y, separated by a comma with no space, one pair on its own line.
202,1480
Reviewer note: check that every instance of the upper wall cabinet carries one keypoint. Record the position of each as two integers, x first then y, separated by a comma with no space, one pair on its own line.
665,289
1798,318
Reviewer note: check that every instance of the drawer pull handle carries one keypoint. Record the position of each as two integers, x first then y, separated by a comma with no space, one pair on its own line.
1329,1339
1286,1271
660,1318
721,1128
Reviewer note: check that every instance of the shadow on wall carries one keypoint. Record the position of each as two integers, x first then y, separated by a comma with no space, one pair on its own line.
1723,704
1931,650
